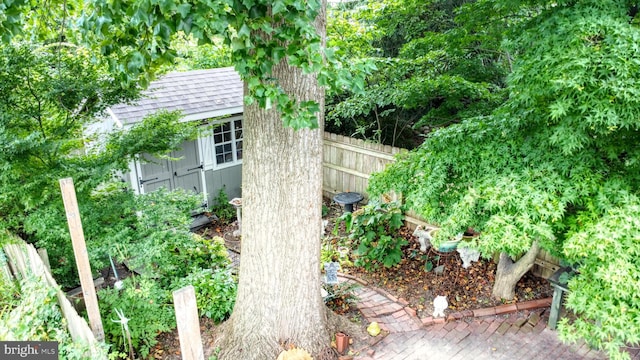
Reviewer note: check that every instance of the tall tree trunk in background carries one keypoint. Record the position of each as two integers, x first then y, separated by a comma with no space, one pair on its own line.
279,300
509,272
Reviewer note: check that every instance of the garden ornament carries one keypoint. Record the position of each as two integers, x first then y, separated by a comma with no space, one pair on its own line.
439,305
424,237
468,255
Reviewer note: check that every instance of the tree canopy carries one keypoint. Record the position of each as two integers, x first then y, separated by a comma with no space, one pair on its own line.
557,163
432,70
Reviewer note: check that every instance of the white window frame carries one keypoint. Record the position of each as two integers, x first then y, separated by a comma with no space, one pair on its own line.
208,146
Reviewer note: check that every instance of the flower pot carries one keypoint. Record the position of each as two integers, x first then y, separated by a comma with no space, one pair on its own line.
342,342
449,246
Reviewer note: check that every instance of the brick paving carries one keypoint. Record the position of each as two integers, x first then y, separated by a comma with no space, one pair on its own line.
518,335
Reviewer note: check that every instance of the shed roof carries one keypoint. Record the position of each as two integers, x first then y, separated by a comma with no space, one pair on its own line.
199,94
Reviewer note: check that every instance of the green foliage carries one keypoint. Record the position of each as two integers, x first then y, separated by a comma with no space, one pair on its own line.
222,208
260,37
52,93
340,297
157,134
9,287
215,292
163,245
336,249
556,163
191,56
372,230
608,254
33,314
146,306
431,71
325,210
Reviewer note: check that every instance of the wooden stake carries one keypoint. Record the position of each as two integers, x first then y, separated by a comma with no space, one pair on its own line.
82,258
184,301
45,258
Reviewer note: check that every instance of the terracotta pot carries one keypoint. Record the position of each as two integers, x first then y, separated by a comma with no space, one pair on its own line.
342,342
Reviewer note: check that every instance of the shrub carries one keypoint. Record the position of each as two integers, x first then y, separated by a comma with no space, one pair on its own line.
147,308
225,212
372,229
32,313
215,292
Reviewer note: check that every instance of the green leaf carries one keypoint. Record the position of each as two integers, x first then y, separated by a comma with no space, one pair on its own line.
184,9
244,31
278,7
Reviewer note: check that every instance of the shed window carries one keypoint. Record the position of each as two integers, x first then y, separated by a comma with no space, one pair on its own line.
227,140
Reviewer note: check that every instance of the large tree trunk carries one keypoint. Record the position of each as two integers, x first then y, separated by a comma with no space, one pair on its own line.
509,272
279,299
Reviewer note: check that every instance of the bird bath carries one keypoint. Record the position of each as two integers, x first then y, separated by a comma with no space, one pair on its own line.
237,203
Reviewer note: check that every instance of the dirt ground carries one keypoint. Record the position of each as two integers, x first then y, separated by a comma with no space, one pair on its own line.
465,289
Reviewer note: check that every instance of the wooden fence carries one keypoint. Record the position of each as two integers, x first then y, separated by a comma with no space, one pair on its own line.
348,164
23,260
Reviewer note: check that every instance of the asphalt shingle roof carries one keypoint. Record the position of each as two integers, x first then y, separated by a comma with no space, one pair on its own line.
192,92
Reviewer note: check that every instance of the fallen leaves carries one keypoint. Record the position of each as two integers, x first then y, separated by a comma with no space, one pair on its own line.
466,289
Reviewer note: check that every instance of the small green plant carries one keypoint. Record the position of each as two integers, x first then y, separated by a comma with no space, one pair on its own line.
325,210
335,249
145,306
428,264
216,353
33,314
372,229
215,292
225,212
340,297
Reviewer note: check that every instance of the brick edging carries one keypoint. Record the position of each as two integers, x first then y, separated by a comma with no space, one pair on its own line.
430,320
495,310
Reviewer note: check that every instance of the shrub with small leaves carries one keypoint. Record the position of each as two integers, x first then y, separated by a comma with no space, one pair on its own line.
215,292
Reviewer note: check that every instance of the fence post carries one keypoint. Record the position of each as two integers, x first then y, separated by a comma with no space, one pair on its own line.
82,258
45,258
184,301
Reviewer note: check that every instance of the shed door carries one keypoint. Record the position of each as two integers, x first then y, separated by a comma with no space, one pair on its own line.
155,173
185,173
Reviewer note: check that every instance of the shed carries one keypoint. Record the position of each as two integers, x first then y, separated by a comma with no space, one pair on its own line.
206,164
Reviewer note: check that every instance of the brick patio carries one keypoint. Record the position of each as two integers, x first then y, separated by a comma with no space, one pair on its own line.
503,332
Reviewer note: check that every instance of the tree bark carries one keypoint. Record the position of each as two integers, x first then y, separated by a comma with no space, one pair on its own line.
279,301
509,272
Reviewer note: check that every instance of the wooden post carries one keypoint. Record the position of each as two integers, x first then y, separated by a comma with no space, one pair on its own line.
45,258
81,256
184,301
